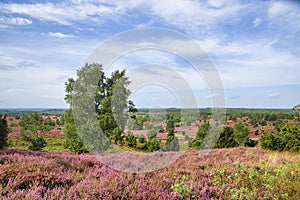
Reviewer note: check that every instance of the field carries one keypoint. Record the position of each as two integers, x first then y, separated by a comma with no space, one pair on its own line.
226,173
236,173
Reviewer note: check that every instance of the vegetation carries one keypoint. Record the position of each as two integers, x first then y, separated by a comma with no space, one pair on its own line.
37,143
3,133
105,107
284,138
230,171
72,141
236,173
207,136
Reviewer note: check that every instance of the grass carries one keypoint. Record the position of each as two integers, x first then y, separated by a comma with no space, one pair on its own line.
54,145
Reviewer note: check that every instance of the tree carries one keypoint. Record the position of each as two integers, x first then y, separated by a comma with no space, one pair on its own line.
285,138
37,143
3,133
107,96
170,127
241,133
296,110
154,145
151,134
131,108
227,138
32,127
172,143
117,136
72,141
131,140
201,133
49,122
32,123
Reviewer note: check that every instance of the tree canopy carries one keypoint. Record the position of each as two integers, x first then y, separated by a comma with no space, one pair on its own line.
109,99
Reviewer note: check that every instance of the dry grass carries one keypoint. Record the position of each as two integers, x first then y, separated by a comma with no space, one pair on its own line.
275,157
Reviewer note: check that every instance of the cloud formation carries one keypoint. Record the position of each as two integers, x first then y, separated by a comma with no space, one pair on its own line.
60,35
252,43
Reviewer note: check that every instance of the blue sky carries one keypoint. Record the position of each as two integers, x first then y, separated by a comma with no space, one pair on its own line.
254,45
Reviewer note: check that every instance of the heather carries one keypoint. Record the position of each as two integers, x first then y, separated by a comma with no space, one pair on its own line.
235,173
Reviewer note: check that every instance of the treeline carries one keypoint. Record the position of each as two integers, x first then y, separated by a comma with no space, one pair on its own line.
18,113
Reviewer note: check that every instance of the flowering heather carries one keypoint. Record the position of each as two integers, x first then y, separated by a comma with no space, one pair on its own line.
237,173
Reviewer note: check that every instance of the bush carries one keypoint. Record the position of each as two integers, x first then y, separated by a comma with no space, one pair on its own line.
154,144
286,138
37,143
228,137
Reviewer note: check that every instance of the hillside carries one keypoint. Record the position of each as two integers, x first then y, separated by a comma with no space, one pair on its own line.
236,173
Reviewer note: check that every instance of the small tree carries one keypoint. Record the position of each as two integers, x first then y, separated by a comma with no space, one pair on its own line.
131,140
151,134
72,141
226,139
131,108
32,126
37,143
172,143
241,133
117,136
154,145
201,133
3,132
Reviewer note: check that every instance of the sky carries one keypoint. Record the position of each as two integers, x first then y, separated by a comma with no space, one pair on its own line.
253,46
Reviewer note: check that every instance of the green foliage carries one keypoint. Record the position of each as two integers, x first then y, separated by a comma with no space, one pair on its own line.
263,123
3,133
72,141
32,126
151,134
49,122
31,123
154,145
286,138
142,142
241,133
201,133
37,143
131,107
250,143
108,97
172,145
170,127
131,140
117,136
54,144
181,187
227,138
296,111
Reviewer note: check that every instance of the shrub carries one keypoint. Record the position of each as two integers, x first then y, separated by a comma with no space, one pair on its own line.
286,138
37,143
154,144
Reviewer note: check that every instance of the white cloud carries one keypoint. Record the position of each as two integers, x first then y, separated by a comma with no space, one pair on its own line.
280,8
62,13
60,35
285,15
212,95
256,22
17,21
274,95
